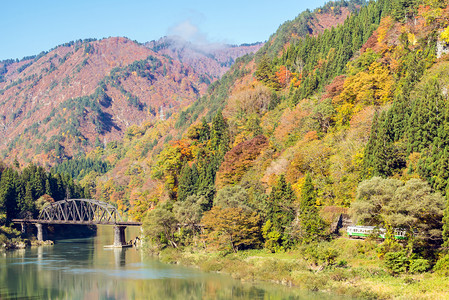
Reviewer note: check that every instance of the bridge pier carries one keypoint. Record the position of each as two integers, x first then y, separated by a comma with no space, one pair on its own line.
24,227
119,235
41,232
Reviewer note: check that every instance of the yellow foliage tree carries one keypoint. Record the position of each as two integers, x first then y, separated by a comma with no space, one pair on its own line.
445,35
369,87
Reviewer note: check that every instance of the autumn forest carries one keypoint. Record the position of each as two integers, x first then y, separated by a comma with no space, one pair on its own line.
342,113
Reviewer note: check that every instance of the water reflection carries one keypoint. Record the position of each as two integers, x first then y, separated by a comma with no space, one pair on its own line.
84,269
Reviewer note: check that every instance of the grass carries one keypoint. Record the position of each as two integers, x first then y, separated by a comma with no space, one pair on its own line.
356,270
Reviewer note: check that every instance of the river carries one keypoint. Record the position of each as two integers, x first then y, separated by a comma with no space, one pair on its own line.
84,269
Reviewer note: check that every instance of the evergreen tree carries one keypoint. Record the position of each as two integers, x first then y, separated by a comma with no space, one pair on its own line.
204,134
427,116
219,135
382,155
312,227
446,227
280,213
8,193
187,182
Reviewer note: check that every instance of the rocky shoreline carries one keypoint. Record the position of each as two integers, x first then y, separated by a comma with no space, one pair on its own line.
22,244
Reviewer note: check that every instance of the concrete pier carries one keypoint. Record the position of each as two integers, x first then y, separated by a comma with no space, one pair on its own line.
119,236
24,227
41,232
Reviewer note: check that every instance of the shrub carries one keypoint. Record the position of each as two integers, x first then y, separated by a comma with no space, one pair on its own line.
321,254
396,262
419,265
442,265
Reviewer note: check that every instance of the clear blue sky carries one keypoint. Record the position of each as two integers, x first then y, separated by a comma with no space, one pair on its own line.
28,27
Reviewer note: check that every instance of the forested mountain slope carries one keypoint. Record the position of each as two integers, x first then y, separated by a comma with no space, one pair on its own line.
143,174
82,94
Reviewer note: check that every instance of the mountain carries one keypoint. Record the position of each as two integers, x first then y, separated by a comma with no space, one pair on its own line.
258,95
82,94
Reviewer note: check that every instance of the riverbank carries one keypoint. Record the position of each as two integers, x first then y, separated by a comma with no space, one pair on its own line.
11,238
342,266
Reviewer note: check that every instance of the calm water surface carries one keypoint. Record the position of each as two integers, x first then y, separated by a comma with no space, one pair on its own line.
84,269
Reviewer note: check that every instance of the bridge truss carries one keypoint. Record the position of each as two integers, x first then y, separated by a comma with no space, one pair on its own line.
80,211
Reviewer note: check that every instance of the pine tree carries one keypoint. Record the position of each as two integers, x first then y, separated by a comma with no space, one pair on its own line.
219,134
48,189
187,183
312,226
446,228
204,134
427,116
8,193
280,209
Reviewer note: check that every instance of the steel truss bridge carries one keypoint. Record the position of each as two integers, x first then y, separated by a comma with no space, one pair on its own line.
80,212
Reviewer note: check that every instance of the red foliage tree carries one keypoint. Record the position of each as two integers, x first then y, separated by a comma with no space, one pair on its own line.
239,159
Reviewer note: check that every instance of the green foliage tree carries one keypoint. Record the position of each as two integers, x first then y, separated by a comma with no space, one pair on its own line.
391,203
219,135
233,196
160,225
311,226
266,74
8,193
190,211
403,10
396,262
280,209
382,157
19,191
187,182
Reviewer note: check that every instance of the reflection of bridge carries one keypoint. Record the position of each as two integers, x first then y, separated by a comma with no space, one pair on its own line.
80,212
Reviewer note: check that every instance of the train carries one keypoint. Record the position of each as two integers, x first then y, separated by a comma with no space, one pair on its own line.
366,231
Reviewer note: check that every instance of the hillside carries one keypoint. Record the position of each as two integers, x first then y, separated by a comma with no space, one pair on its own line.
148,162
86,93
271,121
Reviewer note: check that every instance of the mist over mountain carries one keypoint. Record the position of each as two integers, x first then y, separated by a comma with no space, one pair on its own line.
212,59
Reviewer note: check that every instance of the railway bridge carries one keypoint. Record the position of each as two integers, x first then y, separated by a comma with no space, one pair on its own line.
80,212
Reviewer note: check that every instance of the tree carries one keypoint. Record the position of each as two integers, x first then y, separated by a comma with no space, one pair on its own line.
446,228
8,193
232,196
311,225
382,155
231,228
190,211
404,9
281,204
187,182
160,225
219,134
390,203
266,74
280,211
239,159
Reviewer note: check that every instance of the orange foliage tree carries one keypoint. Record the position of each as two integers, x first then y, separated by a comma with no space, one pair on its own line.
283,76
231,228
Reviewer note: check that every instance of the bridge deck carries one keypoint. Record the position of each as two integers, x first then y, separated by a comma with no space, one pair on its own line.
34,221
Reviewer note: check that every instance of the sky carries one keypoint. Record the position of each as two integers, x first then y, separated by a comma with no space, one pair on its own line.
28,27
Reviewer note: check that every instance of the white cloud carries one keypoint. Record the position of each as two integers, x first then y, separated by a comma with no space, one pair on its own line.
187,31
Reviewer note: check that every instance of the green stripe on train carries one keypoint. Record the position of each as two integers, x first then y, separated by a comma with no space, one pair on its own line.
398,237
